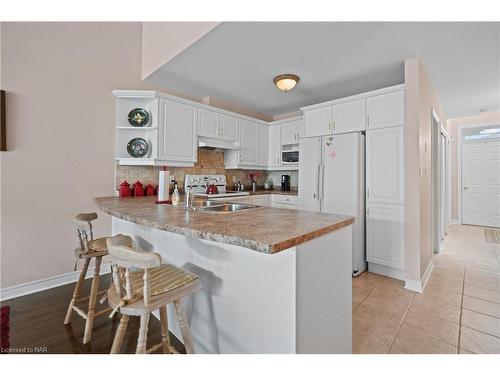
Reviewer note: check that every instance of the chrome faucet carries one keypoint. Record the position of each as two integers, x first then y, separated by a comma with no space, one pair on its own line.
189,198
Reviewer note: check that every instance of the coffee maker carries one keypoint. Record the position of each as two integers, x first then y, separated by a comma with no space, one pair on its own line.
285,182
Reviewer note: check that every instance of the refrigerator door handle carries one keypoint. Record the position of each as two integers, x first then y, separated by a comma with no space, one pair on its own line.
322,184
316,188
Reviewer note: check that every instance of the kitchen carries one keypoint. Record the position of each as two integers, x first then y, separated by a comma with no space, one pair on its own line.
294,228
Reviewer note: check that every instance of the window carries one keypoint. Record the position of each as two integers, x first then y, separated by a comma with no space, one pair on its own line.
481,134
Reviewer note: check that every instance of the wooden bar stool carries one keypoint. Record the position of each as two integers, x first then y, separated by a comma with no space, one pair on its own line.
139,293
89,248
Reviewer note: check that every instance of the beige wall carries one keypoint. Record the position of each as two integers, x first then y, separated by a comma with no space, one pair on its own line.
162,41
60,119
452,125
420,100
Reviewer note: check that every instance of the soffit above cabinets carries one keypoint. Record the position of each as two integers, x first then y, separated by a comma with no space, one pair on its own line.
236,62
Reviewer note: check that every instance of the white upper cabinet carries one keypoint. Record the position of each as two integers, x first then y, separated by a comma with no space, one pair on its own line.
208,123
249,142
177,132
385,242
274,146
349,117
215,125
318,122
228,127
385,110
385,165
291,132
263,154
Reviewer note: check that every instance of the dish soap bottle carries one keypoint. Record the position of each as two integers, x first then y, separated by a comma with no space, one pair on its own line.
176,197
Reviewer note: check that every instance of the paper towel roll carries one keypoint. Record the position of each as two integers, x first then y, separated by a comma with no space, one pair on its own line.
163,186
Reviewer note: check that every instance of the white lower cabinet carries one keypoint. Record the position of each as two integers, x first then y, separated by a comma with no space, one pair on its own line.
385,241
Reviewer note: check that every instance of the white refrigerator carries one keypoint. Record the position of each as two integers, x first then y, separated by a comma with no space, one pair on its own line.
332,180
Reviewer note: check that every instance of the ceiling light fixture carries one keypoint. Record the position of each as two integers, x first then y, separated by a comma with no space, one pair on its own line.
286,82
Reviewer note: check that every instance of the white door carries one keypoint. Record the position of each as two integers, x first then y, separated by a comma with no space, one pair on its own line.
385,234
310,171
177,131
208,123
349,117
481,183
228,128
249,142
318,122
385,110
290,132
385,165
274,146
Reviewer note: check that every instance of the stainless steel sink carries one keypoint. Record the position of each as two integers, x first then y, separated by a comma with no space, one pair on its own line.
197,204
227,207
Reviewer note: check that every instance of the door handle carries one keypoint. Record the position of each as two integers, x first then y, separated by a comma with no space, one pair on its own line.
329,141
466,185
316,190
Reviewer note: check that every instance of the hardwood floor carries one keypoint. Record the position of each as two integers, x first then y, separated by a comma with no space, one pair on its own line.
36,325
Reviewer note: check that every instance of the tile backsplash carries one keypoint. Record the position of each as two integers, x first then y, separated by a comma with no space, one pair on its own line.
209,162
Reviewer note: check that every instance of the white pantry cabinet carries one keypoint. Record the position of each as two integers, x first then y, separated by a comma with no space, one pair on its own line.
385,110
177,132
385,165
249,143
385,235
274,159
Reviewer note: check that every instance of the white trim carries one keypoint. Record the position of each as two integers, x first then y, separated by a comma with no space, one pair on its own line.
388,271
284,121
459,163
454,221
419,285
47,283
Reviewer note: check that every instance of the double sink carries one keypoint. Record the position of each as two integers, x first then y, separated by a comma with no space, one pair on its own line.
220,207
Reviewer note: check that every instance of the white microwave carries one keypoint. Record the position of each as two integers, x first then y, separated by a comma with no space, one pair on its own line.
290,155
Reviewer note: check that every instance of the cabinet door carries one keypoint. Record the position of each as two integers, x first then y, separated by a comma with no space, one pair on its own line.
385,165
385,110
274,146
177,132
349,117
228,128
290,132
385,234
318,122
249,142
263,155
208,123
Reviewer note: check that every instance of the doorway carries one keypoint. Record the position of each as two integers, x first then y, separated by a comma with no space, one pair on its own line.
480,176
440,182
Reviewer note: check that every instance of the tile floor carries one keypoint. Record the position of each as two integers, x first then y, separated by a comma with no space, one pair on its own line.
459,311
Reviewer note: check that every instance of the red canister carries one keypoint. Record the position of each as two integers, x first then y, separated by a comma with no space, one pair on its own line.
125,189
139,189
150,190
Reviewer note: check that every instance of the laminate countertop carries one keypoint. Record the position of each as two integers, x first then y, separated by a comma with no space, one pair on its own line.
264,229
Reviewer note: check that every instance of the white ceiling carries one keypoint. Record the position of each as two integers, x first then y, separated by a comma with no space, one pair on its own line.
236,62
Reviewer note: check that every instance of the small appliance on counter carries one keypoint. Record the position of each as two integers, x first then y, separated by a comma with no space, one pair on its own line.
285,182
210,186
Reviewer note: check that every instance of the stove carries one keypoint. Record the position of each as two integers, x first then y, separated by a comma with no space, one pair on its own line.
219,180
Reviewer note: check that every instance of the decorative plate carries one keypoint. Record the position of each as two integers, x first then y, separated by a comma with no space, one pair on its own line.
137,147
138,117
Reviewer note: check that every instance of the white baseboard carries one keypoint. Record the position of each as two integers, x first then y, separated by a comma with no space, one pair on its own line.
387,271
454,221
47,283
419,285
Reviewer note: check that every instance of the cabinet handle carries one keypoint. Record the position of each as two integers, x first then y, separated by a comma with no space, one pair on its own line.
367,211
368,193
333,126
367,121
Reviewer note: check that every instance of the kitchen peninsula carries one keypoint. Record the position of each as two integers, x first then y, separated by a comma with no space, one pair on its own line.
273,280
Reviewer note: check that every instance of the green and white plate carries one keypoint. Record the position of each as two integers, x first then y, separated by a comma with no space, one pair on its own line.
138,117
137,147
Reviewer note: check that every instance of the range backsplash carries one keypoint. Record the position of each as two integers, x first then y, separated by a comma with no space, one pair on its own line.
209,162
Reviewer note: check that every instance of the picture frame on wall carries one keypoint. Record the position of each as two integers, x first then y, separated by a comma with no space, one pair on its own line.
3,120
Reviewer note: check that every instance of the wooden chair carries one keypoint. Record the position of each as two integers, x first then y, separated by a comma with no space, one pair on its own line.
89,248
139,293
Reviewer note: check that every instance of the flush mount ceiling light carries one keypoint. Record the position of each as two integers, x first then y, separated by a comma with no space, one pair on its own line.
286,82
